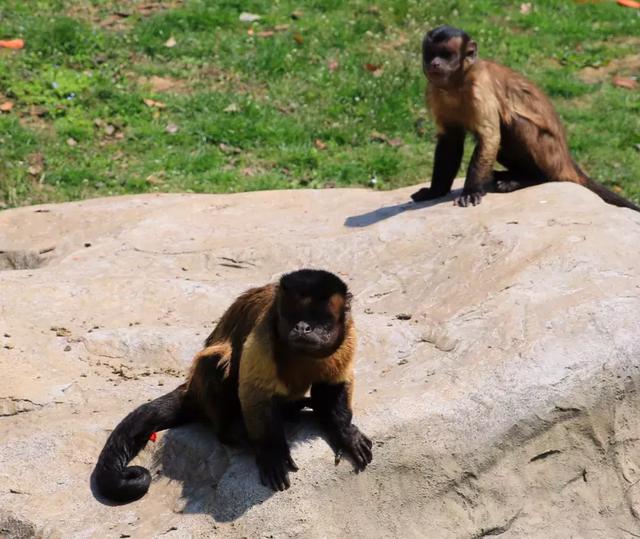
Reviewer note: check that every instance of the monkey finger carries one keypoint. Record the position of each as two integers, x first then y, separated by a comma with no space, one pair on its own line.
291,464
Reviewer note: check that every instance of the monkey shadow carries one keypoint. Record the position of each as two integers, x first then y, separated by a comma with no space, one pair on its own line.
386,212
218,479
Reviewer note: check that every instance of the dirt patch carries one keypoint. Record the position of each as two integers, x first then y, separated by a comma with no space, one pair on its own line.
117,16
628,65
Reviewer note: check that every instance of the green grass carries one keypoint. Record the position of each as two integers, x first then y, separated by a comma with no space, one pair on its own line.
294,109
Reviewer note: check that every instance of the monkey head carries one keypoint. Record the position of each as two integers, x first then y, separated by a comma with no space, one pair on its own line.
447,54
312,308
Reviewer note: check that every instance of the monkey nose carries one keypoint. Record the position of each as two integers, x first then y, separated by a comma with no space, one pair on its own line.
303,327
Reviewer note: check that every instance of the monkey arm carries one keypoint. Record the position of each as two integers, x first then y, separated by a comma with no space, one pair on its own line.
447,159
332,404
482,161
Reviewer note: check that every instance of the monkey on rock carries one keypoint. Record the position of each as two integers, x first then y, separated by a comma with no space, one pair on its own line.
272,345
512,120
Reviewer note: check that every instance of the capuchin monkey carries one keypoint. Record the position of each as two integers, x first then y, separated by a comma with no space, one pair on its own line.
271,346
513,123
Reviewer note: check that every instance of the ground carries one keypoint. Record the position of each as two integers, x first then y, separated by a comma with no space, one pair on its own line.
113,97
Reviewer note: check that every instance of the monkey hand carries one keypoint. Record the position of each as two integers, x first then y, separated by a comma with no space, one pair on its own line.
358,446
426,193
274,465
469,198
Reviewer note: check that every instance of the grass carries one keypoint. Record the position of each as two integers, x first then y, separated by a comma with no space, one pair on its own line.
332,97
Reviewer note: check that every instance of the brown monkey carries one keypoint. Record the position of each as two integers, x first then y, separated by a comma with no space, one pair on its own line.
270,347
513,122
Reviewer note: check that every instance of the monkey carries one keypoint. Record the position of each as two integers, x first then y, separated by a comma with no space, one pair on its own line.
512,120
270,347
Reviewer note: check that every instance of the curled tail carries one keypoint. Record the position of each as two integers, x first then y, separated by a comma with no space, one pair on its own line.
114,479
606,194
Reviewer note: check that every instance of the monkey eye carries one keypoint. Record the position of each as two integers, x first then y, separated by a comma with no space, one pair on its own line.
445,55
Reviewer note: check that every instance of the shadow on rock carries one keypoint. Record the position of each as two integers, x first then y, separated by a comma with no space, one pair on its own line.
218,479
375,216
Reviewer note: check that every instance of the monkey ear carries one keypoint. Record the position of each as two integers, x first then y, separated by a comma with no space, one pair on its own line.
472,51
347,302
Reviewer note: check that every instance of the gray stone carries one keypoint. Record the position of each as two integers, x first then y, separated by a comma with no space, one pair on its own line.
506,404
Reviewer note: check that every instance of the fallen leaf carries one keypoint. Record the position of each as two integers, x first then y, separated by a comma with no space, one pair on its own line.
298,39
171,128
72,142
375,69
378,137
6,106
332,65
281,27
250,32
319,144
374,10
37,110
232,108
637,147
109,129
36,164
625,82
395,142
616,189
12,44
153,103
226,148
525,9
249,17
297,14
153,179
266,33
171,42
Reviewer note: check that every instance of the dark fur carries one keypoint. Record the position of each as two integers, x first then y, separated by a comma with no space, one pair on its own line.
304,323
512,120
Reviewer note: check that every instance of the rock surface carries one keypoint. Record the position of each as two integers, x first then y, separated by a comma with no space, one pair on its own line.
497,368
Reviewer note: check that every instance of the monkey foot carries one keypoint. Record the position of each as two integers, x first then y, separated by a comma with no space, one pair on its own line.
506,186
426,193
274,466
468,199
359,448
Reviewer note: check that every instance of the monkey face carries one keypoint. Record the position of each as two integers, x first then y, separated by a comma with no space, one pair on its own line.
311,326
311,311
446,54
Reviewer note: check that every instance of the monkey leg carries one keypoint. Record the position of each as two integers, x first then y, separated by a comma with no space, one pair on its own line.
331,403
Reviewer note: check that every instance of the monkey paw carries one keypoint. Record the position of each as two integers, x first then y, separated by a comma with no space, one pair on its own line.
274,466
468,199
358,446
426,193
506,186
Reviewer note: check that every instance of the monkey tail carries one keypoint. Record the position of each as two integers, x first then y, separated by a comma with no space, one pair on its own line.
605,193
113,478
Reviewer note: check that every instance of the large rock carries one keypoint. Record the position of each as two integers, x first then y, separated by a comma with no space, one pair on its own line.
497,370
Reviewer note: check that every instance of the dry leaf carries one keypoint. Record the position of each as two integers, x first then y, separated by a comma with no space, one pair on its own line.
266,33
232,108
6,106
625,82
525,9
153,179
298,39
249,17
109,129
297,14
12,44
378,137
281,27
332,65
171,42
153,103
374,10
36,164
226,148
72,142
319,144
375,69
395,142
250,32
171,128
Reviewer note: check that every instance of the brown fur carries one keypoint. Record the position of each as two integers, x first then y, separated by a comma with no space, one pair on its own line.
238,363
